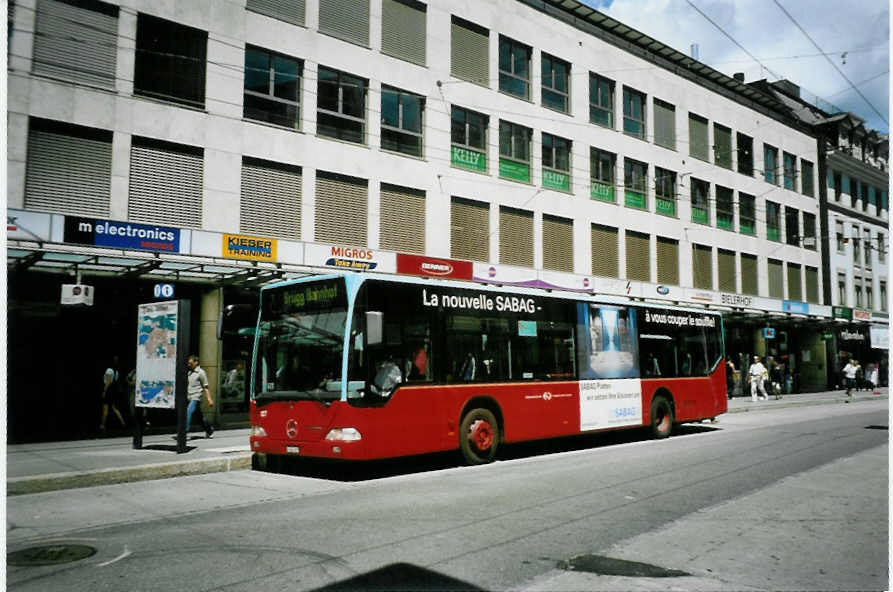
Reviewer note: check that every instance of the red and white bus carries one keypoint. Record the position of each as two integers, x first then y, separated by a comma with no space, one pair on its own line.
365,366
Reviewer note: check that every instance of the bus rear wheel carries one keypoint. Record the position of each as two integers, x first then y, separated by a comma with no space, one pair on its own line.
479,436
661,417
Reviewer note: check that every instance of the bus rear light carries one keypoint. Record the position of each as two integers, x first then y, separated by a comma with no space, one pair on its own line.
344,435
258,432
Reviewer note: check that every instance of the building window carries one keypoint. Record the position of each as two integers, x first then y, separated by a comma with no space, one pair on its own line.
857,288
342,209
601,171
665,191
403,30
468,135
345,19
776,278
749,275
469,229
270,199
747,214
170,61
882,285
402,219
605,251
806,182
556,83
872,198
809,235
638,256
700,201
601,101
166,183
795,282
401,121
514,68
341,112
272,87
633,113
773,221
790,171
866,239
515,237
558,243
556,162
841,289
869,297
812,284
469,52
770,164
792,226
702,267
722,146
725,208
664,124
745,154
76,41
291,12
838,227
837,181
635,182
881,250
697,137
857,247
667,261
514,151
68,169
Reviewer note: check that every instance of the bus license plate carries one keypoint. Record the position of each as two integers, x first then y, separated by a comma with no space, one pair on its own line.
293,449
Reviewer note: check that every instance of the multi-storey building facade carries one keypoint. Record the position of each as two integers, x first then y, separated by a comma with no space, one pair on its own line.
854,217
218,145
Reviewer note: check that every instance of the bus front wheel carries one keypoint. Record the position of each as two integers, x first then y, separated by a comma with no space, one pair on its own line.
479,436
661,417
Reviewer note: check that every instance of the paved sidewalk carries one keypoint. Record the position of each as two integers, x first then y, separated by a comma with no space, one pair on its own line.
33,468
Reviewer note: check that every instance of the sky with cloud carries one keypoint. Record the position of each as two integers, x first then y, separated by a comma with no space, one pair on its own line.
853,34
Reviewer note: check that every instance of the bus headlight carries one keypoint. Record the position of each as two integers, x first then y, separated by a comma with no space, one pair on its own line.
258,432
344,435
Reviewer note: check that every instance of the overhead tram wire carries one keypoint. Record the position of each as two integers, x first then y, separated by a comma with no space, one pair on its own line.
833,65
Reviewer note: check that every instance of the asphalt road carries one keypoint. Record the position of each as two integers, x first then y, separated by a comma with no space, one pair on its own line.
792,498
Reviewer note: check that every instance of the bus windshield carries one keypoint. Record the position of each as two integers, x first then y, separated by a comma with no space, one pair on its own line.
300,342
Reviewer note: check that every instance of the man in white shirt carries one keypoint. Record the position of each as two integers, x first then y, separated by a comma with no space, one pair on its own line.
850,372
757,375
196,386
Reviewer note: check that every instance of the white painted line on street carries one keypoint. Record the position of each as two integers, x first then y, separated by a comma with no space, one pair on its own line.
116,559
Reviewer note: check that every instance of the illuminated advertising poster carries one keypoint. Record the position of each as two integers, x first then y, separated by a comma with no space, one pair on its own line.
432,267
609,345
610,403
156,355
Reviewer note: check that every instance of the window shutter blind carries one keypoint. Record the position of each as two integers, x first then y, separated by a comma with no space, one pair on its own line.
812,285
726,269
402,219
290,11
664,124
469,230
403,30
605,258
638,262
697,136
702,267
558,244
776,279
341,209
795,284
470,52
722,151
77,42
165,183
667,261
270,200
749,275
345,19
68,174
515,237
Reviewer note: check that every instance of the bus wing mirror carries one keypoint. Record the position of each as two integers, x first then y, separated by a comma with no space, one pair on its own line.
374,327
236,316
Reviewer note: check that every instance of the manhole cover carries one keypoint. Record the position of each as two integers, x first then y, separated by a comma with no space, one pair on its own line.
608,566
49,555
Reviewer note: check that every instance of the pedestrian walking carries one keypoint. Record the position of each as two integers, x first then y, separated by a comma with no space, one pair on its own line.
730,378
873,378
196,386
850,371
111,391
758,375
